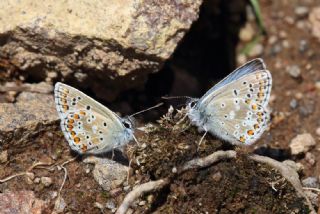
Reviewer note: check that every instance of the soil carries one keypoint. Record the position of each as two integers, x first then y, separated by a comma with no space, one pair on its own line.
235,186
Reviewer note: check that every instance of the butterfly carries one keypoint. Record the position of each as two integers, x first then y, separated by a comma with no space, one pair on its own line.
235,109
87,125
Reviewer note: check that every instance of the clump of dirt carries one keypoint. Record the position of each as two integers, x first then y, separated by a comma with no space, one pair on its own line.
235,186
232,186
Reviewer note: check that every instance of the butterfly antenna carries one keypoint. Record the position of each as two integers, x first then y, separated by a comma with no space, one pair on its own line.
176,97
139,112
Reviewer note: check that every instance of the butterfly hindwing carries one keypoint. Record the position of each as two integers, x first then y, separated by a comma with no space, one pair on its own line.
87,125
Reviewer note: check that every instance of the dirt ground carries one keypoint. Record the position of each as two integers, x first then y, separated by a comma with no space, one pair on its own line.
235,186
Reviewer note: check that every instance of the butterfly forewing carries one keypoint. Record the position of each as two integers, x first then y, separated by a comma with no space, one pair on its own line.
87,125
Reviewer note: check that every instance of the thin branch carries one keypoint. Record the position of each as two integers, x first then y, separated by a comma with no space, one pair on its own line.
312,189
139,191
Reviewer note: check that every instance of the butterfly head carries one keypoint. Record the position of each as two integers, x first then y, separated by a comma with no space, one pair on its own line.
128,122
192,103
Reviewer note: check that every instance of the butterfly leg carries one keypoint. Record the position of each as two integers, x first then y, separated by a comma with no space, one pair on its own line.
135,139
202,138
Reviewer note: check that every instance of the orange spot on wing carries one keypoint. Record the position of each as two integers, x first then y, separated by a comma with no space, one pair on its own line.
256,126
73,133
65,107
76,140
248,101
254,106
84,148
242,139
250,132
76,116
83,113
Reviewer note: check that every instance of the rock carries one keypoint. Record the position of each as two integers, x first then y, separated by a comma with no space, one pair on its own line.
106,40
310,182
293,103
294,71
99,206
303,45
59,205
142,203
20,202
301,11
314,19
110,204
246,33
108,173
257,50
217,176
4,156
310,158
36,180
301,143
46,181
31,114
318,131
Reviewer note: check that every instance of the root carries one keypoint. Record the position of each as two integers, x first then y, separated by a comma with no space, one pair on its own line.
312,189
139,191
159,184
288,173
26,172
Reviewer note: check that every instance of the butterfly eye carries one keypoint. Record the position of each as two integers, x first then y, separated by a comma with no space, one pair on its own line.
192,104
127,124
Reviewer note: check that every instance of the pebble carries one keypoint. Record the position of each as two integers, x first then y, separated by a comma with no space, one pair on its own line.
303,45
310,182
217,176
246,33
289,20
301,11
110,204
310,158
317,85
293,103
142,203
257,50
4,156
272,39
285,44
46,181
241,59
294,71
98,205
36,180
275,49
318,131
301,143
59,205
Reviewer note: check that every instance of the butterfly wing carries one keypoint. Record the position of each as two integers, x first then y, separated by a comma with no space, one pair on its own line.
249,67
237,111
87,125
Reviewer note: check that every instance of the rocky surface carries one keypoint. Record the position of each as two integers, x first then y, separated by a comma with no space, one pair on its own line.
24,119
20,202
95,43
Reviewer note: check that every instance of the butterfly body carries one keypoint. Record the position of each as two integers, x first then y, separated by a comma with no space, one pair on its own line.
235,109
88,126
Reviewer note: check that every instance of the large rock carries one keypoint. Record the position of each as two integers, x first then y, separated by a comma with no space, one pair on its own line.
98,42
20,202
31,114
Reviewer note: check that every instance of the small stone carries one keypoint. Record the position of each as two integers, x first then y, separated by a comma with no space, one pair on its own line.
283,34
241,59
88,170
46,181
298,96
257,50
313,197
142,203
110,204
310,182
294,71
293,103
289,20
126,188
53,194
302,143
36,180
276,49
285,44
115,192
303,45
4,156
30,175
317,85
272,40
301,11
52,74
59,205
217,176
310,158
318,131
98,205
150,199
246,33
